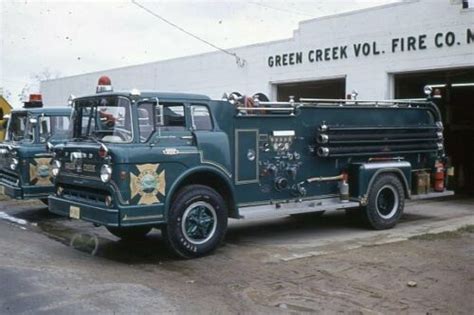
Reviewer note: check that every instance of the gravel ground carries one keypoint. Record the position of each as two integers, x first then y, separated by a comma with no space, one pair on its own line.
53,265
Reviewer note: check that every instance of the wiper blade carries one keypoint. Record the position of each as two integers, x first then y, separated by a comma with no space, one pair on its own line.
93,137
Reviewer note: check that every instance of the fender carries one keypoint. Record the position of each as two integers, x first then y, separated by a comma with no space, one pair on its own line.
201,168
363,175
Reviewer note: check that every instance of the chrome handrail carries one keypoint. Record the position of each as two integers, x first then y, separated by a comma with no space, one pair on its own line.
266,108
328,100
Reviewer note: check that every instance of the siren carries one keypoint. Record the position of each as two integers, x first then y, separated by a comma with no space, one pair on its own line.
104,85
34,101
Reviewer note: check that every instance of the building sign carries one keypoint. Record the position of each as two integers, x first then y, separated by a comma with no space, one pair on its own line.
373,48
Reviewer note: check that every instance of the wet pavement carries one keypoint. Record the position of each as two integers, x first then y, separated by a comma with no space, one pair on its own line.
53,264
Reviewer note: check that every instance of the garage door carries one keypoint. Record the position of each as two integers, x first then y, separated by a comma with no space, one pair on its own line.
457,108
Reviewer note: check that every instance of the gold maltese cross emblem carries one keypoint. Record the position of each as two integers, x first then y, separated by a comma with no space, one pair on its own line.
40,172
149,184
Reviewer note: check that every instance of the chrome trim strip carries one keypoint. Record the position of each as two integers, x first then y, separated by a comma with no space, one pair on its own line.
143,217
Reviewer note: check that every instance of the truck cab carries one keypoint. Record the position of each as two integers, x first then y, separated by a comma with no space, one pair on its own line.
25,163
184,163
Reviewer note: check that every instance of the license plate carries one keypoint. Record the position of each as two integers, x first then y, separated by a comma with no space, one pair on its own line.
2,190
75,212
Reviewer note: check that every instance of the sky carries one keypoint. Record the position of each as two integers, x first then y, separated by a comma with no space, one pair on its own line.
50,39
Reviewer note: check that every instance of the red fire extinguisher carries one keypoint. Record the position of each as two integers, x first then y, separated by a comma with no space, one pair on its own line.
439,177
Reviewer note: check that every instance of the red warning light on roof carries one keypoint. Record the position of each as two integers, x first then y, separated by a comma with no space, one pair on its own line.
34,101
104,84
104,80
36,98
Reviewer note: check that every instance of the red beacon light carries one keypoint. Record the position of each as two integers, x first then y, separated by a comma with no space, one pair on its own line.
34,101
36,98
104,85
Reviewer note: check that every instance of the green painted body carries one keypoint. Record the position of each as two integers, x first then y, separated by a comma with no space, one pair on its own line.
32,178
235,158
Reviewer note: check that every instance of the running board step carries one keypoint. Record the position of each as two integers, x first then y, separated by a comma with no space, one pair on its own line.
284,209
432,195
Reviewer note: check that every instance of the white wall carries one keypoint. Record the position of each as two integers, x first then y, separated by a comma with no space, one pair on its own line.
216,73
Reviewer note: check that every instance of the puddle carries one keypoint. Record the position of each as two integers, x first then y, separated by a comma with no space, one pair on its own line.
96,242
88,243
86,238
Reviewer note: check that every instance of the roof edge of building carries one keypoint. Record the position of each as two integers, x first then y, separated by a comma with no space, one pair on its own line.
358,11
337,15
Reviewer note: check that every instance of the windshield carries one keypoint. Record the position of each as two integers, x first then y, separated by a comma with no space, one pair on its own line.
53,128
106,119
19,129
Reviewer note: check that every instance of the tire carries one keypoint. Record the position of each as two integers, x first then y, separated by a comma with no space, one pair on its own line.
197,222
386,201
130,233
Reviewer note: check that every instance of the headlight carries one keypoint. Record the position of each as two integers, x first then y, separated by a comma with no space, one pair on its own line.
56,167
105,173
14,164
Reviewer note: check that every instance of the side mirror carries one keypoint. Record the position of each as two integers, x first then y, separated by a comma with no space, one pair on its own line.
193,123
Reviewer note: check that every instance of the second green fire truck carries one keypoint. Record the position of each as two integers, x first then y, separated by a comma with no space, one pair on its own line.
25,163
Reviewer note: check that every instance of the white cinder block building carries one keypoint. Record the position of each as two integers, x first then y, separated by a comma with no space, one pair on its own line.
384,52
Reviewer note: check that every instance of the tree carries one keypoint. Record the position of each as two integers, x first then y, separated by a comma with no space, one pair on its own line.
25,92
45,74
6,93
35,81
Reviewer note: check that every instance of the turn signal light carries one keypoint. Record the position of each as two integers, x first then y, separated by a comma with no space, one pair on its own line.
108,201
103,151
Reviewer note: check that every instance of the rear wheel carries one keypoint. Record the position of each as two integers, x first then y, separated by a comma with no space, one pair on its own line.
197,222
386,201
130,233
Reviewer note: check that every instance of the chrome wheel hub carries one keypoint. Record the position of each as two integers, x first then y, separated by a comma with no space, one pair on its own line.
199,222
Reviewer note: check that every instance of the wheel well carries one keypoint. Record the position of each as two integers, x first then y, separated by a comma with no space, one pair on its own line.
398,174
215,182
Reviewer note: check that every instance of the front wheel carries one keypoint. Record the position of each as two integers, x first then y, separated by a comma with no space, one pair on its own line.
197,222
386,201
130,233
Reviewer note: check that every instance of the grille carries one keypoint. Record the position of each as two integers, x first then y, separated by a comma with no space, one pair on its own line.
4,161
85,194
9,176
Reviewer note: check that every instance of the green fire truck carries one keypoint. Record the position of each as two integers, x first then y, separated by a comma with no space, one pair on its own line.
25,163
184,163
